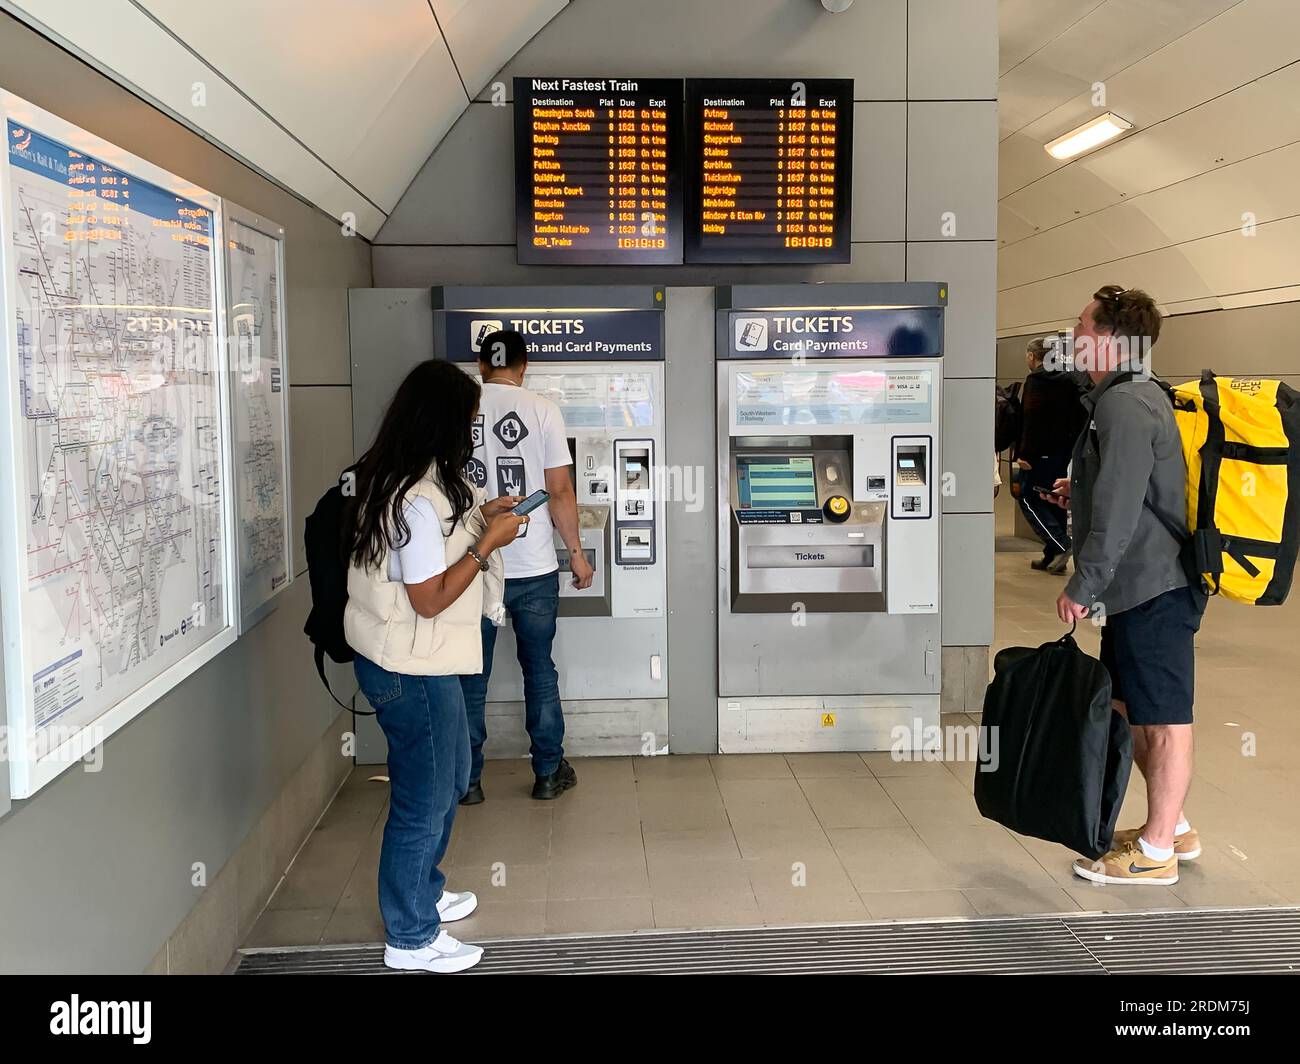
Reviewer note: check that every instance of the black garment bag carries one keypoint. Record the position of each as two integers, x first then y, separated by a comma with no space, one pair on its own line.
1054,757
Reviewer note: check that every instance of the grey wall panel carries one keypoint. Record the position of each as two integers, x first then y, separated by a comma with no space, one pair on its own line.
384,323
692,526
321,423
967,578
97,866
4,762
952,49
1247,341
879,171
465,192
320,265
952,166
724,38
1250,341
414,266
970,268
1011,358
968,446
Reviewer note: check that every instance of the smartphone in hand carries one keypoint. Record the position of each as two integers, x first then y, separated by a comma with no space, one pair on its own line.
528,505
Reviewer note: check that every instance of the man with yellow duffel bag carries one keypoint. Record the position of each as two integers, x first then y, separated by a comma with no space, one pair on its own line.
1177,494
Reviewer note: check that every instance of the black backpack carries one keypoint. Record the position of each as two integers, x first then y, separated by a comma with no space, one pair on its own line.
327,569
1008,418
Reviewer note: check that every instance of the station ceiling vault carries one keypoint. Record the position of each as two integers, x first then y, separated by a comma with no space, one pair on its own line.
343,108
1212,88
338,101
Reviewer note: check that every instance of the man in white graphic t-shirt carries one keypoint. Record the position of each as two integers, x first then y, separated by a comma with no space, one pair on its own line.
520,446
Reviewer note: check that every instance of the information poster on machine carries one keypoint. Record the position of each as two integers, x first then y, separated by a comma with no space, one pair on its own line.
599,400
254,272
769,170
770,397
115,481
598,170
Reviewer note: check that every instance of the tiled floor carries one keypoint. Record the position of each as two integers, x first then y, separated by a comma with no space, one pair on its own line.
695,841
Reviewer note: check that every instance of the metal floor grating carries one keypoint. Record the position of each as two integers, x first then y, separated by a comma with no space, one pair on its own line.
1209,942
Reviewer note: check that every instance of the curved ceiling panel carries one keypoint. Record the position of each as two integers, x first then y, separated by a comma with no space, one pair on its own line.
1198,203
341,102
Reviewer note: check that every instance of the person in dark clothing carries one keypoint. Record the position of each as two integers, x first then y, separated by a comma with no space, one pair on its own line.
1051,422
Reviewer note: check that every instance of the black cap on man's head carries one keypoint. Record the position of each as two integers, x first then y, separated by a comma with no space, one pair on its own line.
503,349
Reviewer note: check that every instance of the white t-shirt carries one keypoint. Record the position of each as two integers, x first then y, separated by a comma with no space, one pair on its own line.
424,554
517,437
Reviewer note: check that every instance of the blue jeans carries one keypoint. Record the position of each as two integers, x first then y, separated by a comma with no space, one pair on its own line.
423,719
1046,518
532,603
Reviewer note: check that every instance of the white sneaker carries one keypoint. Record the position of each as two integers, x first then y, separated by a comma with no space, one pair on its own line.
444,956
453,906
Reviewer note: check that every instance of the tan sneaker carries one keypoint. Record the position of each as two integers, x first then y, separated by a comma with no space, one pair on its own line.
1187,846
1126,863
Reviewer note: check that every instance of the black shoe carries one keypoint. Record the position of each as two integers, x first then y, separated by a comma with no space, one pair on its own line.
474,795
554,785
1042,564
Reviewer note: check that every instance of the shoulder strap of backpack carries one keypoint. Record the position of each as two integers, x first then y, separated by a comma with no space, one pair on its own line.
352,706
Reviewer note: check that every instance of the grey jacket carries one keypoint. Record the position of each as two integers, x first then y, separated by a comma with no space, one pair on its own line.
1123,553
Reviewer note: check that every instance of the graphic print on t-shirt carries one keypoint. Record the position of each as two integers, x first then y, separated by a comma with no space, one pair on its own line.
476,432
511,478
476,471
524,437
510,430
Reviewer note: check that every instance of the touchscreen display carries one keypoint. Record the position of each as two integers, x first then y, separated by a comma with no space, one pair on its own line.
776,482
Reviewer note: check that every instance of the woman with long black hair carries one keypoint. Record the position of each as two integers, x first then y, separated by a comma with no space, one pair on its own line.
422,572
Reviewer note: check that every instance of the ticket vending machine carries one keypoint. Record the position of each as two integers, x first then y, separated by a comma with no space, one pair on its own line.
603,365
828,415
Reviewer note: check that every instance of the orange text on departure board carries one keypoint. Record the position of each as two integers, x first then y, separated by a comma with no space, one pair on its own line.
771,170
600,174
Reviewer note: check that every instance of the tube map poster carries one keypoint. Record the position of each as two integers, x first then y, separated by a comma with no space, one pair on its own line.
119,432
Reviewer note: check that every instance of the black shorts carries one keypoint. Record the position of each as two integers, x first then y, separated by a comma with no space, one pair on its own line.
1148,651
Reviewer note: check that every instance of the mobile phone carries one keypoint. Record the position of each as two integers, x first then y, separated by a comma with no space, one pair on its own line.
531,503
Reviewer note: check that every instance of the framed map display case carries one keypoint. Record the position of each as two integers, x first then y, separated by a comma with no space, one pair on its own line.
254,249
116,515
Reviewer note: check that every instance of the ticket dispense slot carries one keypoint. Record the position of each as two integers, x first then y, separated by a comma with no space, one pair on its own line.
912,490
634,502
797,534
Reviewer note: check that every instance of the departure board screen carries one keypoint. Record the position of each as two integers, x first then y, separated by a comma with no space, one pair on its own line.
598,170
769,171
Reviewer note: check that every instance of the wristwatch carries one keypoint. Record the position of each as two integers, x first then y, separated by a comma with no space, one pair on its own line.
482,564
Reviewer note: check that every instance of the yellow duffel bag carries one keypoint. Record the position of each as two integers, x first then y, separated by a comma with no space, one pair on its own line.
1241,440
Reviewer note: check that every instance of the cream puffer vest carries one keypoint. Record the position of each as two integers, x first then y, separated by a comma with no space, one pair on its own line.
381,624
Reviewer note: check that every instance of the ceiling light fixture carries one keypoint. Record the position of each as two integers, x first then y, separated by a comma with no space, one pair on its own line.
1090,135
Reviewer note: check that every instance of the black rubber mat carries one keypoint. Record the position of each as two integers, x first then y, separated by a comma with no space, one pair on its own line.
1191,942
